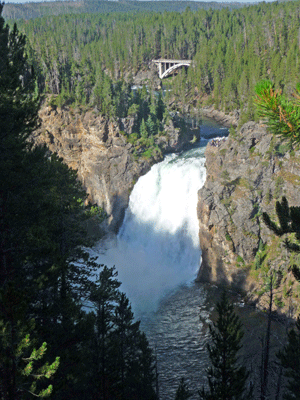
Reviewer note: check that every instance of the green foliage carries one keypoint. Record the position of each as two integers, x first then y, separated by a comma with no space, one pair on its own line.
132,138
226,377
232,51
122,361
21,370
232,131
194,140
45,371
225,175
29,10
260,255
240,259
290,360
283,115
228,237
146,110
96,211
147,154
133,110
283,148
279,303
143,129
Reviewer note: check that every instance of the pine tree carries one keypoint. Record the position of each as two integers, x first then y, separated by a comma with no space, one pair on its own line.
143,370
290,360
19,164
143,97
151,124
125,335
18,117
121,361
182,392
227,379
160,108
133,361
143,129
45,371
19,377
104,295
270,286
44,268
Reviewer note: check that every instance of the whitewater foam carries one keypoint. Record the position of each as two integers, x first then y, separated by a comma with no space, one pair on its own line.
157,247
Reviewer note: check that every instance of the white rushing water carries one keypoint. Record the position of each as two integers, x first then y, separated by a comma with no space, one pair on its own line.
157,247
157,255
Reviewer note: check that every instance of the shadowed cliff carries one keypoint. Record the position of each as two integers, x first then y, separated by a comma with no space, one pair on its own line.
97,147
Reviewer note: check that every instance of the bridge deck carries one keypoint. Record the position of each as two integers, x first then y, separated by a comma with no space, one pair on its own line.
165,60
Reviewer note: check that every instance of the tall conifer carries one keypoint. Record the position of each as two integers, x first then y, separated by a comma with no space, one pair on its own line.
19,165
227,378
290,360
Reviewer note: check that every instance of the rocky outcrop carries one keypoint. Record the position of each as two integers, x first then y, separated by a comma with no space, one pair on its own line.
220,116
98,149
246,174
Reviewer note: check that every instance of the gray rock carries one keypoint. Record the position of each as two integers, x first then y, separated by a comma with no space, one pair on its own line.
97,148
246,175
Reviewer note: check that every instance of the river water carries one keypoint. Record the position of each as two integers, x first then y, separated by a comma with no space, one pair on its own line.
157,256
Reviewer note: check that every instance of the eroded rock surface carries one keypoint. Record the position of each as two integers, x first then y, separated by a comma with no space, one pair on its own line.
223,118
97,149
246,174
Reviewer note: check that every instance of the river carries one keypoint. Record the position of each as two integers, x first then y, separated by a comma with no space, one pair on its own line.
157,255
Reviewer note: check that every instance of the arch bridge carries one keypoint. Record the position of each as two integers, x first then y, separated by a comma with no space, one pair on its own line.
166,67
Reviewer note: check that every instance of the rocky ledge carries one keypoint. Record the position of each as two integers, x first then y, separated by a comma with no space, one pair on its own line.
220,116
98,149
246,174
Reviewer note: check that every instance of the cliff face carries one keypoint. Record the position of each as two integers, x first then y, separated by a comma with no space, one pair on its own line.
96,148
246,174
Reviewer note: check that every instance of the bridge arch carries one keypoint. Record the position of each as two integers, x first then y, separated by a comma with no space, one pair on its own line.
173,68
166,67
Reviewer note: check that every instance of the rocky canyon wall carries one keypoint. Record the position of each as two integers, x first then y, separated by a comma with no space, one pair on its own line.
246,174
96,147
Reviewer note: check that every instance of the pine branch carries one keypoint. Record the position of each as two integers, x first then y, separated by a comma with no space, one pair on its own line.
282,115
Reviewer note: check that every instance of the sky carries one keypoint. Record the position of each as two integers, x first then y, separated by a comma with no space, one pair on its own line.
224,1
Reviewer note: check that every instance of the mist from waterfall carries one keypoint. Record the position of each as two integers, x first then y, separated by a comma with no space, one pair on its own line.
157,247
157,255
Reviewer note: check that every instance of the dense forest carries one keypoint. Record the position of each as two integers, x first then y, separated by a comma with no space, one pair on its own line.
34,10
231,51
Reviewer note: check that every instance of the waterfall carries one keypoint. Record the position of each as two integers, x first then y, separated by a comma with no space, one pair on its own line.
157,255
157,248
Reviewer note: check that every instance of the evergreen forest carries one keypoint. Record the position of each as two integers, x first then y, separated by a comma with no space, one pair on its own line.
75,55
34,10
